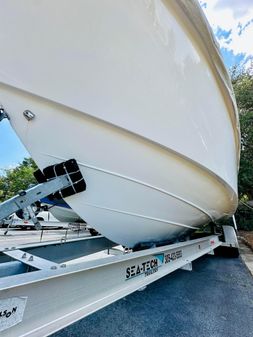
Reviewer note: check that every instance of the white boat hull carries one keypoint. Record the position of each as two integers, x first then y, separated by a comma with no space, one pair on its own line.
63,214
126,90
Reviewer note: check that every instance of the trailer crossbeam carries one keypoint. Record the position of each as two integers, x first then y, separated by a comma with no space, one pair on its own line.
31,260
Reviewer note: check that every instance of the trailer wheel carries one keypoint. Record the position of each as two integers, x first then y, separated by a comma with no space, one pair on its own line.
230,247
231,252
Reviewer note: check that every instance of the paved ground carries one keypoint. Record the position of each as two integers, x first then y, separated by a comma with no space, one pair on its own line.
214,300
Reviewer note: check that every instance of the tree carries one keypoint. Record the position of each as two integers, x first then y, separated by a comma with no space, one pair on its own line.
19,178
242,81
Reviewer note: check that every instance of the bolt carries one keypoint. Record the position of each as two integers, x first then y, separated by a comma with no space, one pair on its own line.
29,115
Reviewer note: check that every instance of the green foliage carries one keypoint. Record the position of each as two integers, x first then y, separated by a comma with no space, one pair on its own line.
19,178
242,81
246,164
244,218
243,87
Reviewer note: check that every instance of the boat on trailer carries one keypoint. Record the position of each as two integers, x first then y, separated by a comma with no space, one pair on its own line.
137,93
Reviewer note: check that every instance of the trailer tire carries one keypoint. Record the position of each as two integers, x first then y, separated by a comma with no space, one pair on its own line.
230,252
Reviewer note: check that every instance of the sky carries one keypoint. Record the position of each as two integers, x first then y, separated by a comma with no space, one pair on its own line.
232,24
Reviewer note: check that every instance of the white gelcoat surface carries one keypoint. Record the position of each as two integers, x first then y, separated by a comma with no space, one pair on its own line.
131,65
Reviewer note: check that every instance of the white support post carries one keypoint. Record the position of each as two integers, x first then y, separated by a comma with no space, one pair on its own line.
234,222
187,267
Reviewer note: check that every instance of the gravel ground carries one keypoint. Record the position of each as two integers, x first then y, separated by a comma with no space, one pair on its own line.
248,238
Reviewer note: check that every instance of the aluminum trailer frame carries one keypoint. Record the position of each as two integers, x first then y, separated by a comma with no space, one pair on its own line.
39,296
40,293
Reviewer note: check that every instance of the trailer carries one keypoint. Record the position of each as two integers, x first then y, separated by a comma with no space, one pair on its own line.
41,292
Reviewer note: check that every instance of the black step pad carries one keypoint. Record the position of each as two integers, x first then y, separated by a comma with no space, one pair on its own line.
69,167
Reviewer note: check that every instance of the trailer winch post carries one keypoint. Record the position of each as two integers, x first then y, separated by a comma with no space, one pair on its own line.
25,198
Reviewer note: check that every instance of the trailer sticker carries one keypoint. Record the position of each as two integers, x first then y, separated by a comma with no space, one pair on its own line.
11,311
173,256
147,268
152,265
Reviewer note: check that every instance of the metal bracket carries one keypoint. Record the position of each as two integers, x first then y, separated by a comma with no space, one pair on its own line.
3,114
31,260
34,219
